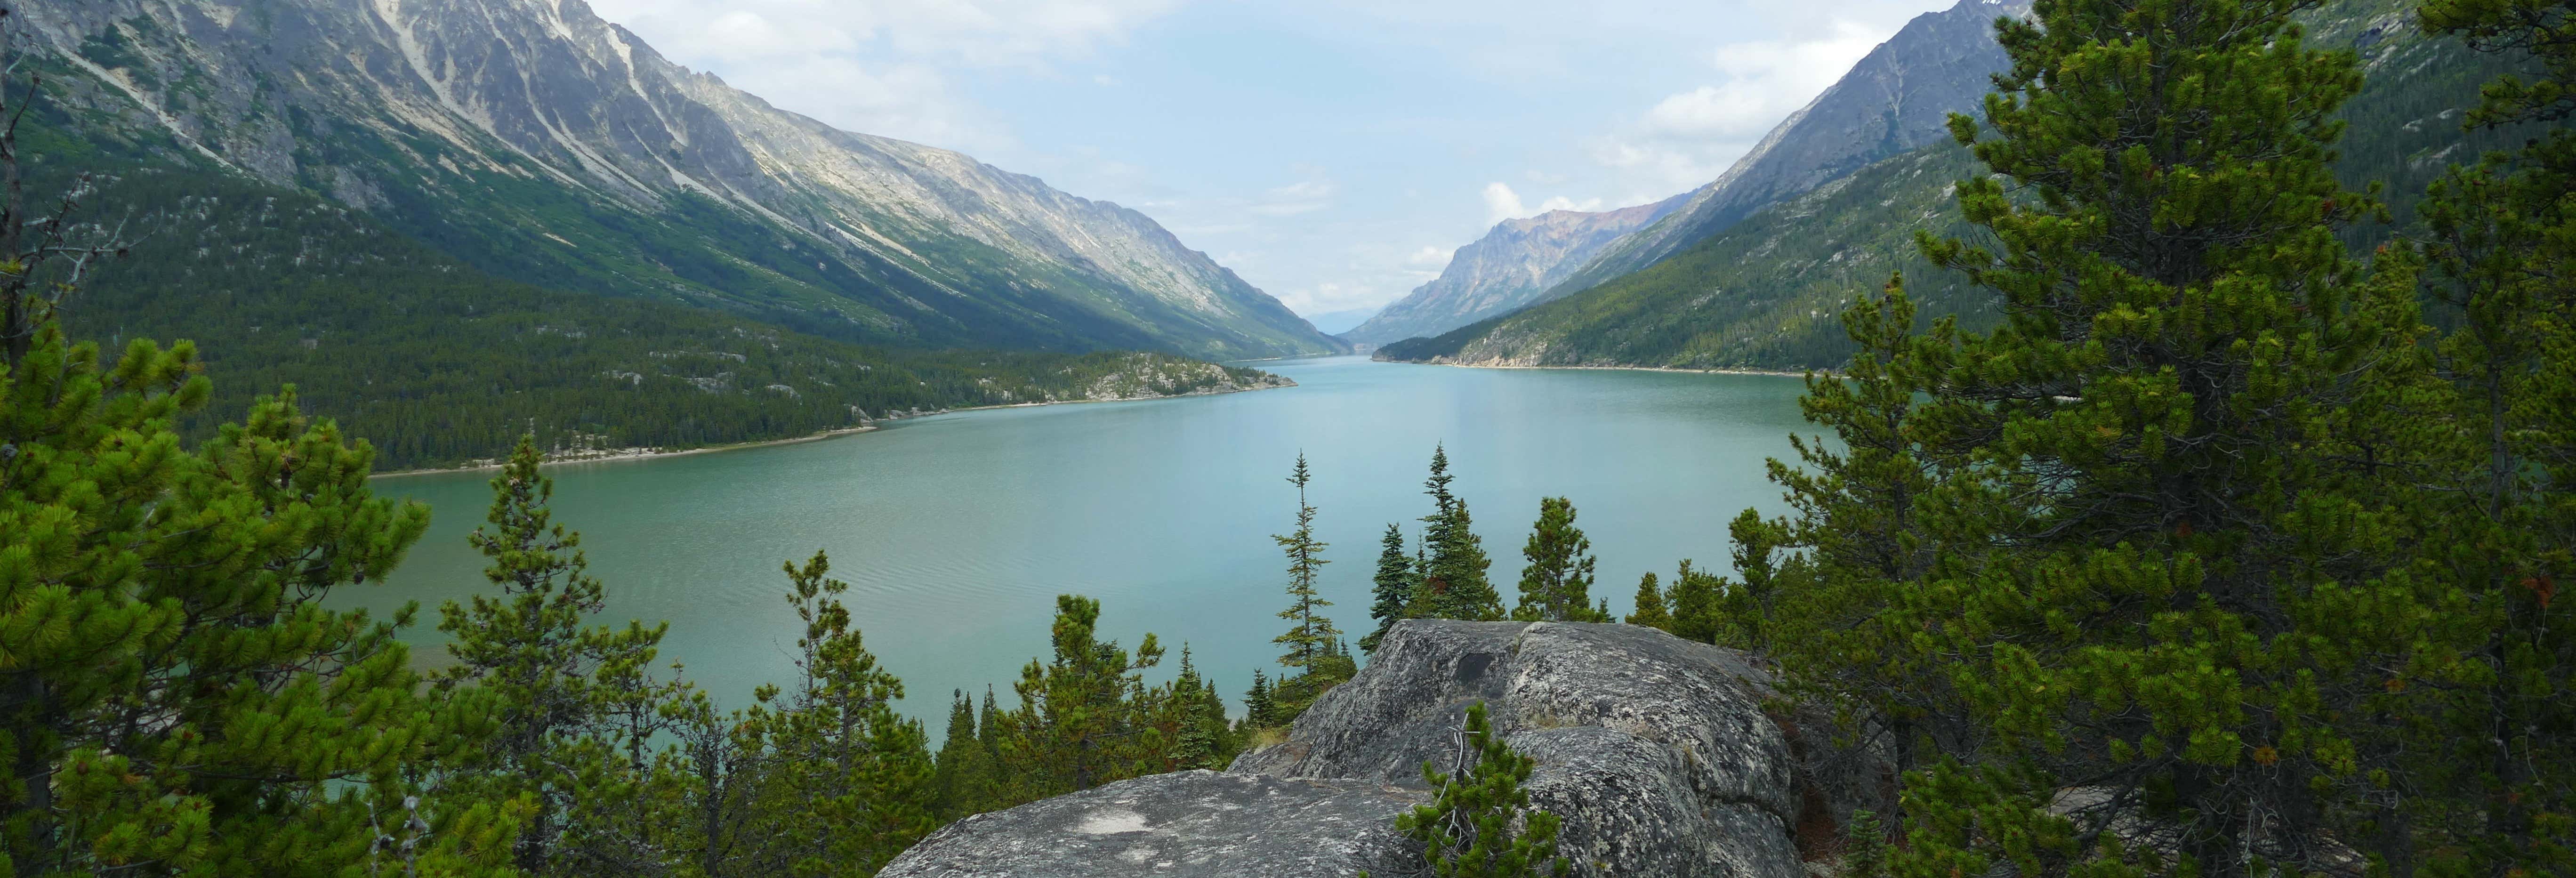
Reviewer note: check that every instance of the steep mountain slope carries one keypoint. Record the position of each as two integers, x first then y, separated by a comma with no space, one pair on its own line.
1767,292
436,363
1899,97
1512,266
536,141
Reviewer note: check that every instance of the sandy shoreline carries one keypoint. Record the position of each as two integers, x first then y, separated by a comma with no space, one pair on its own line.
626,454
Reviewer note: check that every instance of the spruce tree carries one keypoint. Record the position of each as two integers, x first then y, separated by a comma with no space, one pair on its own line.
1310,634
1556,581
1392,587
1212,713
1258,712
1651,611
1431,591
1452,583
1200,739
965,765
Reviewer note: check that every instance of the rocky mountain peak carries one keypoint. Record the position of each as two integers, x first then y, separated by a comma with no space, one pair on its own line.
1898,97
544,143
1511,267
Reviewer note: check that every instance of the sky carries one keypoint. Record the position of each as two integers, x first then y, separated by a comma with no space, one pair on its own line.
1332,153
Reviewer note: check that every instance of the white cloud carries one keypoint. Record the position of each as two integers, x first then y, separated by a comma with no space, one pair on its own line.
1306,196
1689,137
881,66
1332,296
1501,203
1429,255
974,32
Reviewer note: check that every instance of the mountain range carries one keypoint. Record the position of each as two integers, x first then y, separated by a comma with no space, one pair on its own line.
1896,98
535,141
1765,289
1510,267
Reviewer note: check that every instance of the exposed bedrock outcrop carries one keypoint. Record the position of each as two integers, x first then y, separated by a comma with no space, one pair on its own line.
1653,750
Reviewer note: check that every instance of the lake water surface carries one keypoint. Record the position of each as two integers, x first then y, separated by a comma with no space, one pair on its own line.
957,531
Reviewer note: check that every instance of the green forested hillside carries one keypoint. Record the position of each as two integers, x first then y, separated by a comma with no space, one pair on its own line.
1765,293
437,363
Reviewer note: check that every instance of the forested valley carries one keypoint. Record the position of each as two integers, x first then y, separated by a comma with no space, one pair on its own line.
438,364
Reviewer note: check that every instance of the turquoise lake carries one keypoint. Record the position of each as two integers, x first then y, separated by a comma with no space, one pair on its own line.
957,531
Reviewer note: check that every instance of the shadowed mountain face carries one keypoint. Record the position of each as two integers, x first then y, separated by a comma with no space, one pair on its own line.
1511,267
537,141
1767,291
1896,99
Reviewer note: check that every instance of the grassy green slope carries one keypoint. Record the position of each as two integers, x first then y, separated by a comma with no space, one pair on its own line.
1766,293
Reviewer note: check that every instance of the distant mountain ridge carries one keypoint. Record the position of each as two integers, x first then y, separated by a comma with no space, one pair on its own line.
1768,291
539,142
1511,267
1897,98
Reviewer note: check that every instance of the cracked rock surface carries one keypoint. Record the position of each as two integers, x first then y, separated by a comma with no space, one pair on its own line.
1652,750
1187,823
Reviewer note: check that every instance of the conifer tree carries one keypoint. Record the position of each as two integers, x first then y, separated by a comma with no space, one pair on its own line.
1258,711
1200,740
533,649
989,725
1467,830
1212,713
1462,564
1748,601
1556,583
1392,587
1864,550
720,812
858,772
1310,634
161,609
2158,553
1696,600
1651,611
2499,792
1864,850
965,765
1452,583
1085,718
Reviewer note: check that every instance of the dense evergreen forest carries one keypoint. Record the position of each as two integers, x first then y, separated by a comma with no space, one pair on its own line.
437,364
2210,555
